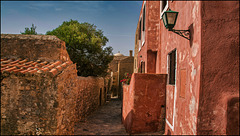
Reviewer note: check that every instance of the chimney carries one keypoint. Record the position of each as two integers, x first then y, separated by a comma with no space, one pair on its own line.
130,53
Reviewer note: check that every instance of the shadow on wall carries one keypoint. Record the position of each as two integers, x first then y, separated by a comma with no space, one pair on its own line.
233,116
191,34
128,121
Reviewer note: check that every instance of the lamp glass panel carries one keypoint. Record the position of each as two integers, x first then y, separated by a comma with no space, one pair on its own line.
171,18
164,19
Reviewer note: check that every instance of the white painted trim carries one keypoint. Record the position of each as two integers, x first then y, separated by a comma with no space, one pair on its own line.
143,37
175,95
169,125
139,45
143,32
140,41
165,9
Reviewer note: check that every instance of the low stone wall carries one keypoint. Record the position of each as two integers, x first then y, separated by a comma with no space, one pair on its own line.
66,97
33,47
41,104
48,101
128,105
38,103
90,95
144,103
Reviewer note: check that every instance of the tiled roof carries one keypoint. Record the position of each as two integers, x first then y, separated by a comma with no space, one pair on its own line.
25,66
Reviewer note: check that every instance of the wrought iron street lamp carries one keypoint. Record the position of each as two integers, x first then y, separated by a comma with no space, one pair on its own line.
169,20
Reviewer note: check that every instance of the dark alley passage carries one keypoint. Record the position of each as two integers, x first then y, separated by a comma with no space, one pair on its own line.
105,121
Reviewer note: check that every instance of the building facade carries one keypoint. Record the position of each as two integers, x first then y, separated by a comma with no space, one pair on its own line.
118,67
202,90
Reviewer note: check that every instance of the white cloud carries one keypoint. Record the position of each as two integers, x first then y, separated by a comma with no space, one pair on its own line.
58,9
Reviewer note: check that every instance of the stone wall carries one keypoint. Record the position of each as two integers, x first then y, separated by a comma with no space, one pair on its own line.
219,93
67,89
144,102
46,102
41,104
33,47
90,95
37,103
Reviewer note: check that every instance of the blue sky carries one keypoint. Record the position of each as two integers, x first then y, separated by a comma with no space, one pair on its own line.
118,19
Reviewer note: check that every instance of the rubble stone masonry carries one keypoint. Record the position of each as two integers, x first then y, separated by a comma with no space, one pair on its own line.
43,98
44,47
88,97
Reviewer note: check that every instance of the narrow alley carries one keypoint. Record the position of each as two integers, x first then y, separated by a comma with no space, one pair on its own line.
157,67
105,121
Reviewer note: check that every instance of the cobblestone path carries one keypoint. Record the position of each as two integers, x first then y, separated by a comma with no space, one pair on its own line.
105,121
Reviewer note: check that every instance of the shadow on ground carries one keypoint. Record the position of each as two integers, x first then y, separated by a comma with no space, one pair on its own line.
105,121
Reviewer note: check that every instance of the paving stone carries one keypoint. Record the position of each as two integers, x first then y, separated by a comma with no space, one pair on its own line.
105,121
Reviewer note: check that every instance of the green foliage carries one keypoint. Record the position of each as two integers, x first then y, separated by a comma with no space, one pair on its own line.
126,79
31,30
85,46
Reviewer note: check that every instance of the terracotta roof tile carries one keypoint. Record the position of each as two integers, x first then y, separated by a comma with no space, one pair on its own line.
32,71
14,62
28,63
45,69
17,70
3,59
45,62
69,62
3,69
34,63
44,66
10,69
23,61
37,66
51,66
59,68
53,72
57,63
64,65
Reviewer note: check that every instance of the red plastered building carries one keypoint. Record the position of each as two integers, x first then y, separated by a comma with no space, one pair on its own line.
202,82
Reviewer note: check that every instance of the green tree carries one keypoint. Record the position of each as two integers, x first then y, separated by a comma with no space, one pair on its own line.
85,45
31,30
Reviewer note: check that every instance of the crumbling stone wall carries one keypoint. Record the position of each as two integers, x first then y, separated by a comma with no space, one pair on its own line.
33,47
66,97
43,100
88,97
38,103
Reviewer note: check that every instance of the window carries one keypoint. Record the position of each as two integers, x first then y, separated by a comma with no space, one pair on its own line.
172,67
142,27
163,7
143,24
140,35
142,67
144,18
135,63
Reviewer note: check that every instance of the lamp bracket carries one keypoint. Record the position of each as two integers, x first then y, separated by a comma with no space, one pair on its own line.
183,33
